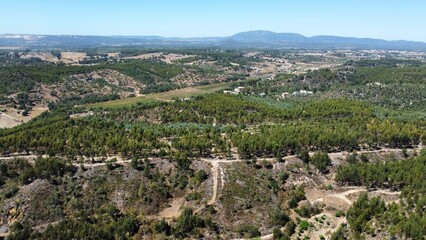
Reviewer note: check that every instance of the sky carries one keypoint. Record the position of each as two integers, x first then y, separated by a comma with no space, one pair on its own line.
384,19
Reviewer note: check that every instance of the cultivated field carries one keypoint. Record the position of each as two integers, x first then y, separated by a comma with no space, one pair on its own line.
165,96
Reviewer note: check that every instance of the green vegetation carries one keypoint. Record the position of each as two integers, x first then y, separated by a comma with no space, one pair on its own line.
398,84
88,212
340,233
405,219
296,195
249,231
307,211
320,125
188,222
166,96
362,105
321,161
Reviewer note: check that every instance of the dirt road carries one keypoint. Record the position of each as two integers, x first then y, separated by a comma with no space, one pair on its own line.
215,175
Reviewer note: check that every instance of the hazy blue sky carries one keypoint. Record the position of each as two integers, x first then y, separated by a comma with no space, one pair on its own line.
387,19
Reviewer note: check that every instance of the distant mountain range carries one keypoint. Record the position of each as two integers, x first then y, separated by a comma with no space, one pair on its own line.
251,39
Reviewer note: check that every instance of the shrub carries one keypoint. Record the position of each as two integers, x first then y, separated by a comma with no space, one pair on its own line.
304,225
283,177
307,212
248,231
340,213
304,156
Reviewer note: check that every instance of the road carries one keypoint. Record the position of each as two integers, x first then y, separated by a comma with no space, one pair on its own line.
215,175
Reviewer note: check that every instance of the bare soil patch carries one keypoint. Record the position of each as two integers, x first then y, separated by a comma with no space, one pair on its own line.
72,57
174,210
44,56
13,117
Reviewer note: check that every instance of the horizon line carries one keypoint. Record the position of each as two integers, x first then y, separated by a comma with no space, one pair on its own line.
223,36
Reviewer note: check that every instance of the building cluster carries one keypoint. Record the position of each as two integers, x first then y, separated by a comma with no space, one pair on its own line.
297,93
235,92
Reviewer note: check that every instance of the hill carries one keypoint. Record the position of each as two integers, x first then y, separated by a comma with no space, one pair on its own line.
327,149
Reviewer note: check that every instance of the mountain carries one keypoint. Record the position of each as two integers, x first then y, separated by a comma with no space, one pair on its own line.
251,39
273,39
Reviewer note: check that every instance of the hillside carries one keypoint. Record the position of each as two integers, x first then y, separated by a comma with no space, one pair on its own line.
275,144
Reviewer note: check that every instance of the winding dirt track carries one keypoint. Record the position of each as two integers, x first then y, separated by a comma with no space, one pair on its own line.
216,169
121,160
342,196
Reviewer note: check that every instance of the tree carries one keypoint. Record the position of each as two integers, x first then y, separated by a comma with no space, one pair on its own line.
20,231
362,211
283,176
278,217
339,234
163,227
187,221
134,163
304,156
321,161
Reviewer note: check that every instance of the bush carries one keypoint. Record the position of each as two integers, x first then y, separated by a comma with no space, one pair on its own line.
279,157
163,227
290,228
187,222
292,203
200,176
194,196
20,231
340,213
283,177
339,234
296,195
307,212
405,153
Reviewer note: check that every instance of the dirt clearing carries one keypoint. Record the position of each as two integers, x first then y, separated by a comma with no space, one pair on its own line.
12,117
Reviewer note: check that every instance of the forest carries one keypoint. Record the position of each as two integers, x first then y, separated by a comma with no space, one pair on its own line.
255,128
407,219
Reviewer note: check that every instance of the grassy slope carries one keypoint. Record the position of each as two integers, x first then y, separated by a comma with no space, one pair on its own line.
165,96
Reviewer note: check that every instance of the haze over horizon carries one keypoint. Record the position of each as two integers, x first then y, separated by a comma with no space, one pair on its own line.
388,20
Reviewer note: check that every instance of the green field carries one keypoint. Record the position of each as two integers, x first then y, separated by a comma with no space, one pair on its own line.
165,96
